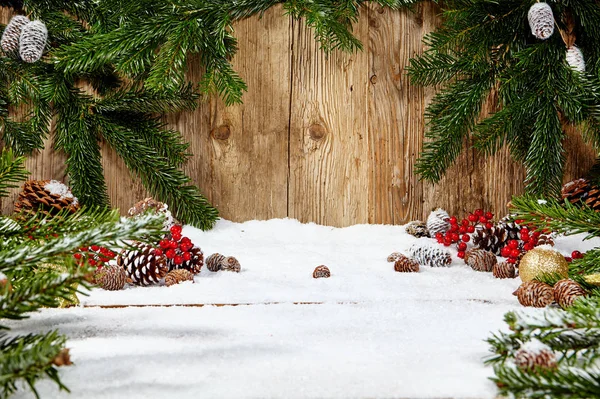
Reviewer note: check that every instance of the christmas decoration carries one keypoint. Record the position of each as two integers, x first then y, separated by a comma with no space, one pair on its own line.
94,255
504,270
321,272
575,59
545,239
180,252
535,358
178,276
406,265
540,261
566,291
394,256
46,196
541,20
492,240
12,34
428,255
150,203
216,262
592,279
417,229
582,191
535,293
33,41
143,265
111,277
62,359
438,222
480,260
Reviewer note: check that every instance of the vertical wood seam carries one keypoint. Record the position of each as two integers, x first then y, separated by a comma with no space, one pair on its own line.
291,99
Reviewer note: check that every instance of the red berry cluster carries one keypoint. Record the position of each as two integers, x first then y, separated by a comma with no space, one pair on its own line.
460,232
574,255
94,255
175,247
512,251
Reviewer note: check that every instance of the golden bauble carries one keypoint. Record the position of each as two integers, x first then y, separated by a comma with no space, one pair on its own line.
541,261
593,279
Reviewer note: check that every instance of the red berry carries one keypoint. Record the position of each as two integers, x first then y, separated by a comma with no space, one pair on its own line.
164,243
524,230
178,260
173,244
519,221
471,229
95,248
158,252
83,249
513,244
505,252
92,262
529,246
568,259
462,246
455,237
482,219
452,220
176,236
512,260
176,229
462,230
438,235
576,255
103,259
466,238
187,256
170,253
447,243
77,256
473,218
186,239
479,212
514,253
440,240
489,215
464,222
537,233
489,225
453,227
524,237
461,254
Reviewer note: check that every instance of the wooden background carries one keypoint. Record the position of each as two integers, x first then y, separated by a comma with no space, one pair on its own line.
330,140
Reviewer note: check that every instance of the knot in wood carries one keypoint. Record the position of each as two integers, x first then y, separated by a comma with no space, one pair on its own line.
221,133
373,79
317,131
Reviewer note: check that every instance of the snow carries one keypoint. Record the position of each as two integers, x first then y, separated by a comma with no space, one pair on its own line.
57,188
367,332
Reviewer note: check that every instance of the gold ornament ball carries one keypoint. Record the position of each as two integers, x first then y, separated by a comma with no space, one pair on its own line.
541,261
593,279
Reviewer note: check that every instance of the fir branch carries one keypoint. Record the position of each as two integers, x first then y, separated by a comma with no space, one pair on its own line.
12,171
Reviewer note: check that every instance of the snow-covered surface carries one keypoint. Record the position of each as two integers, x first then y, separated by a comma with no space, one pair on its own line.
60,189
375,333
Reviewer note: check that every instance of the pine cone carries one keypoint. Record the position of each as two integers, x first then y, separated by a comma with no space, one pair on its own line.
575,58
231,264
62,359
566,291
492,240
12,35
321,272
213,262
437,222
417,229
406,265
178,276
46,196
513,229
111,277
504,270
534,293
480,260
531,361
142,266
195,263
582,190
429,255
541,20
33,41
394,256
545,239
150,203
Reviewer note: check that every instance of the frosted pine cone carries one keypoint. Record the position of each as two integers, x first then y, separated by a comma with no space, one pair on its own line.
480,260
437,222
142,265
321,272
394,256
12,35
159,207
406,265
213,262
429,255
417,229
504,270
534,293
531,360
33,41
566,291
575,58
46,196
178,276
541,20
111,278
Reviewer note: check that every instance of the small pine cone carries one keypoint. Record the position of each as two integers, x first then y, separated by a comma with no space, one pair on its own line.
534,293
394,256
582,190
541,20
142,266
545,239
196,262
575,58
406,265
437,222
150,203
213,262
111,277
178,276
429,255
33,41
46,196
513,229
321,272
492,240
12,35
531,361
63,358
231,264
566,291
504,270
480,260
417,229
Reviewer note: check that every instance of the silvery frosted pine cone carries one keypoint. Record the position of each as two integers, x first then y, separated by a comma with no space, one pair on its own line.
321,272
566,291
12,35
406,265
575,58
437,222
504,270
213,262
33,41
111,277
417,229
541,20
530,361
535,293
142,265
178,276
394,256
428,255
480,260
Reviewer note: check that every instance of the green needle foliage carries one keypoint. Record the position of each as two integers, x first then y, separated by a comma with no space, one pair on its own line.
487,46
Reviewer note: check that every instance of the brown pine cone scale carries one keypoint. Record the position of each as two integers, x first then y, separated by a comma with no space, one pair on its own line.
535,293
111,277
531,361
582,190
480,260
504,270
321,272
142,265
178,276
566,292
394,256
406,265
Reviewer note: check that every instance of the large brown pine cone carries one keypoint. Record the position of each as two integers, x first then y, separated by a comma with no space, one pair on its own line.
531,361
406,265
321,272
142,266
480,260
582,190
178,276
492,240
429,255
566,291
46,196
504,270
534,293
111,277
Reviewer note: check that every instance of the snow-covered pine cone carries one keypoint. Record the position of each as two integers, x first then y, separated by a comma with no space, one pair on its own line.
33,41
575,58
178,276
504,270
142,265
428,255
513,229
566,291
532,360
437,222
545,239
492,240
321,272
159,207
12,35
213,262
111,277
480,260
535,293
417,229
394,256
46,196
541,20
406,265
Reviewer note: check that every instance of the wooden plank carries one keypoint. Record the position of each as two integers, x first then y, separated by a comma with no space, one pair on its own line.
329,145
